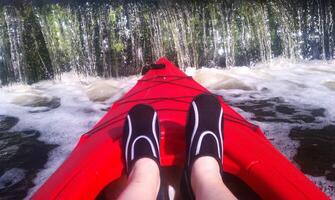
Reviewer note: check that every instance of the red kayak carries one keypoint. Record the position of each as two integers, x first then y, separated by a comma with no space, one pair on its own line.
254,169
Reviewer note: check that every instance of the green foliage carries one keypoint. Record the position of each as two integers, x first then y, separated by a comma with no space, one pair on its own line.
109,38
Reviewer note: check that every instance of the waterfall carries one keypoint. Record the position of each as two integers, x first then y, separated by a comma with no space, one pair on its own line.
12,28
116,38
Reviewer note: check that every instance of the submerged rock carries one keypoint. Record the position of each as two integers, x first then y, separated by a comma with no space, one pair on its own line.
11,177
278,110
35,100
101,90
219,80
316,153
52,104
30,96
7,122
21,157
232,84
330,85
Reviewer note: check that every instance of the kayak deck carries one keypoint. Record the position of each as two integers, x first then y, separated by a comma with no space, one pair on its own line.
97,160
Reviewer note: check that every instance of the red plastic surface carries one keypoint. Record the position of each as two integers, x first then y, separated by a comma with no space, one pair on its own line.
97,159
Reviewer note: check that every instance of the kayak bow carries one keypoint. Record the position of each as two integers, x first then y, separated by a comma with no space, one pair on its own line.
97,160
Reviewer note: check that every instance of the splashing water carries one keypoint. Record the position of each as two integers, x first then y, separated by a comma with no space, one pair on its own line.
112,38
280,97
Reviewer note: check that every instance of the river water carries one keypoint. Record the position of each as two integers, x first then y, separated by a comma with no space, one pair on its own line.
293,102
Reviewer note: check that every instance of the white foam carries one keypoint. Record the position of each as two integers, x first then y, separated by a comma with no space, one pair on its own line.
326,186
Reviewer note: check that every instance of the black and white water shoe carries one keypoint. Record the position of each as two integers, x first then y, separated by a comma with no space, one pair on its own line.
141,135
204,136
142,139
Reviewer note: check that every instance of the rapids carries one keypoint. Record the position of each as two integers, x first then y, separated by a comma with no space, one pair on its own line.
291,101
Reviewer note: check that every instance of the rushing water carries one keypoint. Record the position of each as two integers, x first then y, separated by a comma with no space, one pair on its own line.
293,102
69,50
112,38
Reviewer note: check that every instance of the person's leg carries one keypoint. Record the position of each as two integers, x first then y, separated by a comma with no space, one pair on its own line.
141,145
143,181
206,180
202,177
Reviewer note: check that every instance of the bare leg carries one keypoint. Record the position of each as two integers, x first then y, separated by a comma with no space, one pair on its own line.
206,180
143,181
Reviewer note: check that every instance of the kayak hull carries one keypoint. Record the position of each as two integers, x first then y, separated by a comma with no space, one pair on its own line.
97,160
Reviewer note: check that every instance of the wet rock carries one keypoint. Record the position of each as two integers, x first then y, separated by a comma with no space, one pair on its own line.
285,109
231,84
88,110
316,153
54,103
30,99
105,109
318,112
330,85
7,122
304,118
264,89
11,177
7,152
277,110
36,99
22,156
264,110
219,80
101,90
236,95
